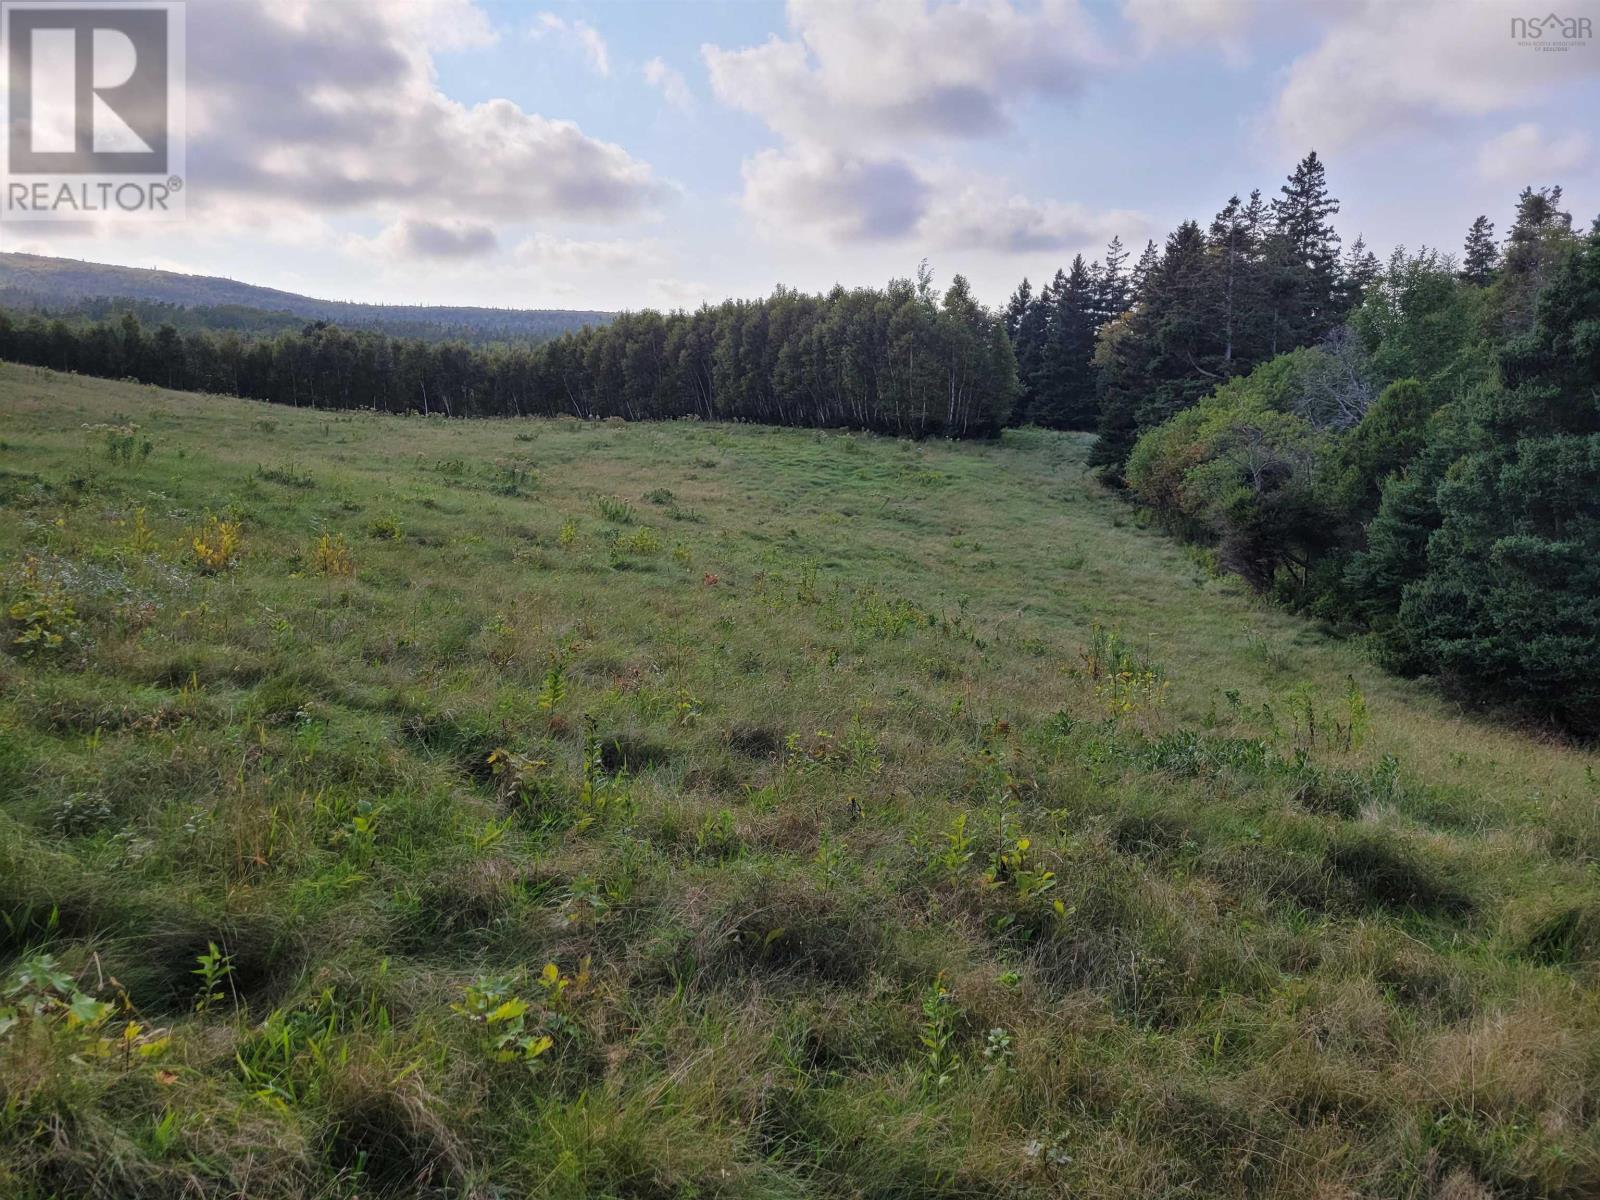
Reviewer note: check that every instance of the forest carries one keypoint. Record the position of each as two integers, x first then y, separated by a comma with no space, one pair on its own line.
899,359
1408,449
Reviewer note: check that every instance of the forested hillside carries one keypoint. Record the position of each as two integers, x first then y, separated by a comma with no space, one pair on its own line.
899,359
76,290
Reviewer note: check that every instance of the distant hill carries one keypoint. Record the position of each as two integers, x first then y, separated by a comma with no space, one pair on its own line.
66,285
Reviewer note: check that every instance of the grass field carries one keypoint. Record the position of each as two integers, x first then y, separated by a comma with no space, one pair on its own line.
597,810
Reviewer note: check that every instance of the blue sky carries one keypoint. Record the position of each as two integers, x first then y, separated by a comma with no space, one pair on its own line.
631,154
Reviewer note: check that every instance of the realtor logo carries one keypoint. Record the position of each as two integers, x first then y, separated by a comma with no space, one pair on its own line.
94,110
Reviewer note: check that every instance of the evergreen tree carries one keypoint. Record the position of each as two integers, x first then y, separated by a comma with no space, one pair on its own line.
1232,243
1481,256
1304,253
1115,286
1065,390
1509,605
1358,271
1186,352
1164,354
1541,237
1017,307
1143,270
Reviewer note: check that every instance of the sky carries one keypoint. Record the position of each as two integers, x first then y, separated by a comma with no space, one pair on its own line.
662,153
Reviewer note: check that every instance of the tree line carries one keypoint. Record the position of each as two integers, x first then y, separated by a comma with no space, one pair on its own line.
1423,466
1116,349
900,359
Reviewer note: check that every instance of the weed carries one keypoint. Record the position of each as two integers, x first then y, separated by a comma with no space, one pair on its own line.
643,540
938,1034
43,616
124,445
141,538
998,1051
214,969
217,545
1357,723
331,556
553,688
287,476
520,775
385,528
618,512
515,1029
957,852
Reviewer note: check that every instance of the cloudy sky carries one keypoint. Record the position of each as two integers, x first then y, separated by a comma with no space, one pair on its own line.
663,152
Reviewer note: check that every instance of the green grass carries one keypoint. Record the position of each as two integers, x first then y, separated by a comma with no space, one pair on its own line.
866,862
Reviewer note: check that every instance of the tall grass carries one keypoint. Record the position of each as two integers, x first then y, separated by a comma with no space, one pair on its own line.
884,839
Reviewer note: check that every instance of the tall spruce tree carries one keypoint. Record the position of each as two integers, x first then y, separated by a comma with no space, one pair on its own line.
1165,354
1480,256
1065,391
1232,244
1143,269
1115,286
1186,358
1017,308
1304,254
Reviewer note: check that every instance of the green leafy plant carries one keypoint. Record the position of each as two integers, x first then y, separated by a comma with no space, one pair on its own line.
385,528
217,544
1016,866
41,999
998,1051
957,852
553,689
42,617
938,1033
331,556
618,512
215,968
501,1017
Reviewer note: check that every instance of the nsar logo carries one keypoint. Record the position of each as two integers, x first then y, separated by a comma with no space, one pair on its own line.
1552,32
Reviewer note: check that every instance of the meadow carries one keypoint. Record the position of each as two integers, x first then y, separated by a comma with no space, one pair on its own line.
394,806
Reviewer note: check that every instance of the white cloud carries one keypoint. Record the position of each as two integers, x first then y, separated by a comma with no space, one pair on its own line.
838,198
480,264
857,75
833,196
1524,155
579,33
1162,24
1383,69
855,88
328,108
671,82
976,212
410,237
576,257
668,293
